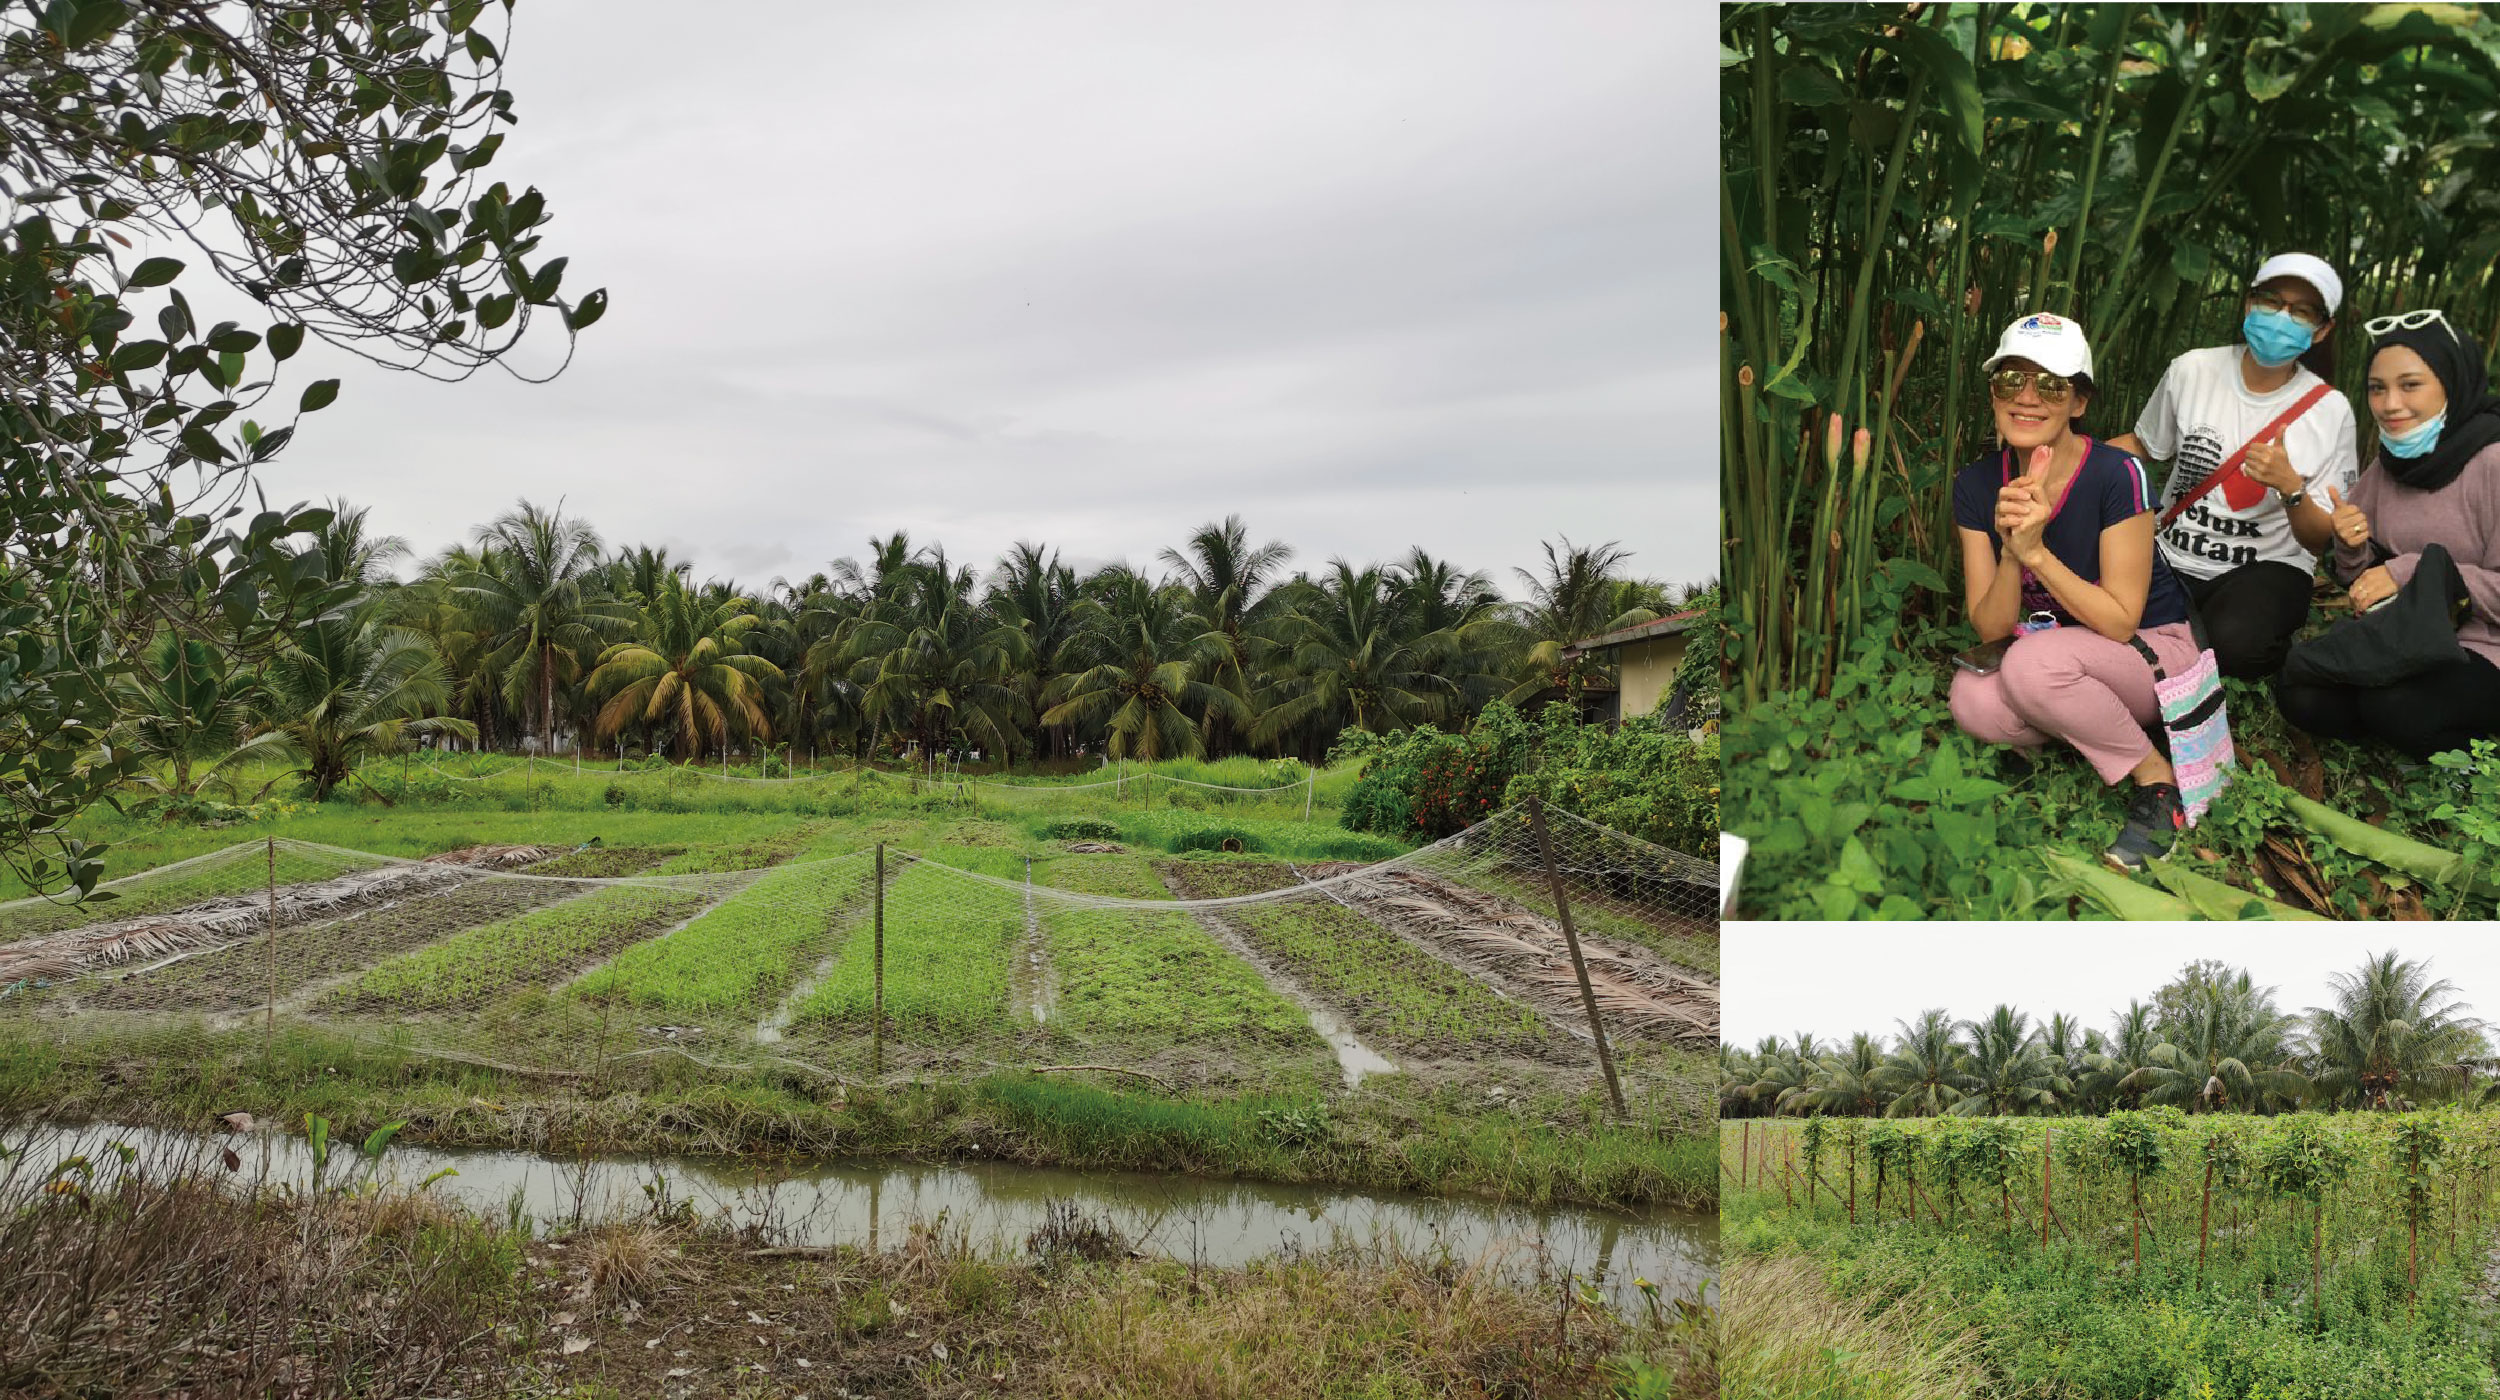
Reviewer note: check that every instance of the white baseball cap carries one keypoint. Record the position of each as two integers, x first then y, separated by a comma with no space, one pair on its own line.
2308,268
2054,343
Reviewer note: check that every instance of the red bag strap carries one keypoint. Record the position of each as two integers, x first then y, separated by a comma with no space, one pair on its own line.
2268,433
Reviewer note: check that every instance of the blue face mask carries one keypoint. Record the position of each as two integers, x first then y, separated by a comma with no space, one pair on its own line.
2276,338
2417,442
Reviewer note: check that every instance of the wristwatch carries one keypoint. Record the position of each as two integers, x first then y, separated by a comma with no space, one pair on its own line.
2292,498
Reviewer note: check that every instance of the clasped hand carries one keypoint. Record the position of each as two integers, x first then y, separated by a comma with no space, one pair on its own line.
2023,509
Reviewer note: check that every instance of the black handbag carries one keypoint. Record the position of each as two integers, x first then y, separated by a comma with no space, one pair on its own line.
2413,633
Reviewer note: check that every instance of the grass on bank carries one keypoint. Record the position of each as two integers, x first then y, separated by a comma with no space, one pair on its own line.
180,1074
1868,802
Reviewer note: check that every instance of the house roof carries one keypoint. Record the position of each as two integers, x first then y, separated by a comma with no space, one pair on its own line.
1666,626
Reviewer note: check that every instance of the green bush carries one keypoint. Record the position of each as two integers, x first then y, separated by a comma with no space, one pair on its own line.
1642,778
1425,784
1081,829
1213,838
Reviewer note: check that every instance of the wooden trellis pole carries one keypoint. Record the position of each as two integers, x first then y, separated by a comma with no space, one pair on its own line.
1571,937
269,1038
876,1019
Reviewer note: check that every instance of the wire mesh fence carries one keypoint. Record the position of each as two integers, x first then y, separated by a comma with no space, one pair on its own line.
1529,952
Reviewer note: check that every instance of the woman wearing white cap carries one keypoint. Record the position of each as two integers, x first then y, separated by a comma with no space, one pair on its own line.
2255,436
2066,588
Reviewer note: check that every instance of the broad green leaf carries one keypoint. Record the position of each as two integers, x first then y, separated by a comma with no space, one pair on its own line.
155,272
319,394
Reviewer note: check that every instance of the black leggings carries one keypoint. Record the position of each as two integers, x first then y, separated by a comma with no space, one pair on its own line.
2250,614
2438,710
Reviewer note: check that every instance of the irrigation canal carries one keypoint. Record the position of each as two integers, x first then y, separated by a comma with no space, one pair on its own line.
821,1202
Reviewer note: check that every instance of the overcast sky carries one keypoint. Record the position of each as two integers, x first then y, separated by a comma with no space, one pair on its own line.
1833,979
1372,275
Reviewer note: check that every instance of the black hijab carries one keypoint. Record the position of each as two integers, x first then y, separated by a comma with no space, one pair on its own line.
2473,421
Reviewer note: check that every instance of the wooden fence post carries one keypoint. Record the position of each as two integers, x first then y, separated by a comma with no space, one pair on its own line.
876,1017
1571,937
269,1038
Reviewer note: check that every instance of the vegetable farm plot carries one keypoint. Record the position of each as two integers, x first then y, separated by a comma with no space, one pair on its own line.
742,955
545,947
1397,997
239,975
1159,992
948,942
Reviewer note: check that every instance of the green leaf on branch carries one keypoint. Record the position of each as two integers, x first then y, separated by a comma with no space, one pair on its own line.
155,272
319,394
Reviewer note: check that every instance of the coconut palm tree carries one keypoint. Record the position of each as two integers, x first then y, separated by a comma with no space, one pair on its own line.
351,550
2228,1048
688,672
350,688
183,708
1227,577
930,662
541,605
1580,594
1785,1075
2128,1048
1032,591
1346,656
2394,1032
2006,1070
1148,684
1848,1081
1923,1072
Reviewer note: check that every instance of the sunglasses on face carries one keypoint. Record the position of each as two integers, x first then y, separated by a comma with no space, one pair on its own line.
2007,384
2308,315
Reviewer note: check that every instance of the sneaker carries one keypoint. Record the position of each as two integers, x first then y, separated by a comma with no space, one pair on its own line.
2154,818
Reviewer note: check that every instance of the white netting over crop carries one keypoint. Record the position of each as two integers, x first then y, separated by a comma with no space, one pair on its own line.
1454,963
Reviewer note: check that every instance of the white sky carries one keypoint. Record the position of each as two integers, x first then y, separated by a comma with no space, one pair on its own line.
1372,275
1833,979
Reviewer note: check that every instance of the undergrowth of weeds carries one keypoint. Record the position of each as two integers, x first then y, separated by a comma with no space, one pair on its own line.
1868,802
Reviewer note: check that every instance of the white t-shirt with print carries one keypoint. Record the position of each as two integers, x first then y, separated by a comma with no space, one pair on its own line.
2198,416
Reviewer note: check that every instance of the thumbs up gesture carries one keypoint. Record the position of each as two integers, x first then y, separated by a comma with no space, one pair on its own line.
2352,528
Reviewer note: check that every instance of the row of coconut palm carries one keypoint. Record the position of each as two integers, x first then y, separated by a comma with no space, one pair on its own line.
536,634
2210,1041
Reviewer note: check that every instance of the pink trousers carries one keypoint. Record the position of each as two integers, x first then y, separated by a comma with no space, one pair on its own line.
2074,684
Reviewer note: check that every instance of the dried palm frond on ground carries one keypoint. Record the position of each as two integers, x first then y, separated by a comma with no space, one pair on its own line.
224,918
1637,991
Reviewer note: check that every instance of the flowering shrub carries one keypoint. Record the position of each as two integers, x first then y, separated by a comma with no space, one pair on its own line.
1424,784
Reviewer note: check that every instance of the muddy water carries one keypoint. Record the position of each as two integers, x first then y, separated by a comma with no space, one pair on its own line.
872,1204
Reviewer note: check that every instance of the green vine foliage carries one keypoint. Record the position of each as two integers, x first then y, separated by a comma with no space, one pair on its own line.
325,161
1640,777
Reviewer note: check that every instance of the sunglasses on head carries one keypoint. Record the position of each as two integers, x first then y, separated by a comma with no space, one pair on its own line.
2008,384
2409,321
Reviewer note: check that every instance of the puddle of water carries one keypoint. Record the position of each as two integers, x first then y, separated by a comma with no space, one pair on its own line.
1354,1058
1214,1223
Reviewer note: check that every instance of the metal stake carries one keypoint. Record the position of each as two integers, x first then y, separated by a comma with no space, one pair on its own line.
1571,936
